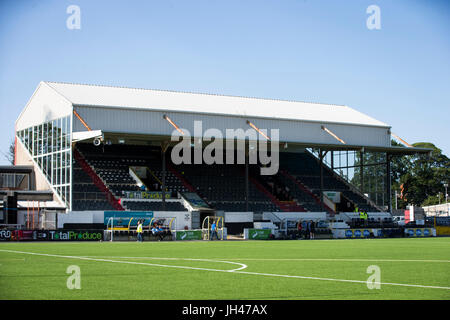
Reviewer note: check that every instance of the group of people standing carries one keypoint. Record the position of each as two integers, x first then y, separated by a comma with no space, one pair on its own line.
306,229
157,231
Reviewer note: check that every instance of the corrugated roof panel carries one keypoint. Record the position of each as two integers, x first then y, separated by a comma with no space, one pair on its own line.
95,95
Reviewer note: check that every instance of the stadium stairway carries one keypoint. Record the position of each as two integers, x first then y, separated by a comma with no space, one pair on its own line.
97,181
286,206
185,183
300,187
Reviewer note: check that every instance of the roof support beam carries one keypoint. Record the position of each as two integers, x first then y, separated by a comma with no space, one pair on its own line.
165,117
258,130
81,120
400,139
333,134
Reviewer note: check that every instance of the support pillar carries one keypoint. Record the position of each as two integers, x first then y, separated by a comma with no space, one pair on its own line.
246,181
321,156
361,170
388,182
164,146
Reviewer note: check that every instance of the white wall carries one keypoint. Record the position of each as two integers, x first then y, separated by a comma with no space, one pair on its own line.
235,217
45,105
296,215
80,217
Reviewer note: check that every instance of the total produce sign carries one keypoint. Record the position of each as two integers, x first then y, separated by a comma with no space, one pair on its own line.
75,235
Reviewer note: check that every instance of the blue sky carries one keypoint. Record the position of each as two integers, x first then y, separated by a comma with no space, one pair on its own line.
305,50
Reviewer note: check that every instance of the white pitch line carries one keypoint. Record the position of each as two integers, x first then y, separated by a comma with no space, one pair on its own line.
233,271
243,266
344,280
344,260
284,259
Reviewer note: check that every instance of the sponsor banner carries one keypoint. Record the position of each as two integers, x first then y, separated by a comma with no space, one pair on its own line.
188,235
16,235
144,195
259,234
126,216
5,235
360,233
419,232
51,235
88,235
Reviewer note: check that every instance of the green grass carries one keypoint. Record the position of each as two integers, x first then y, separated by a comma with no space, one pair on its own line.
24,276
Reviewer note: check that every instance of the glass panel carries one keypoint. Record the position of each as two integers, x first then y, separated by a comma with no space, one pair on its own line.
69,130
45,143
55,137
34,141
54,169
49,136
58,171
63,125
25,138
68,175
63,171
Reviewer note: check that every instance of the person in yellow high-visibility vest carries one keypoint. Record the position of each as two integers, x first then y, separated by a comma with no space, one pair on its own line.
364,217
361,215
139,232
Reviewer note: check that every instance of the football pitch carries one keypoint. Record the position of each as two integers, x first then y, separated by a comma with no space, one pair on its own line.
227,270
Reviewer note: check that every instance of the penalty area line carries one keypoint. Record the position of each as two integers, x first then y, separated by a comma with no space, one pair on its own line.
229,271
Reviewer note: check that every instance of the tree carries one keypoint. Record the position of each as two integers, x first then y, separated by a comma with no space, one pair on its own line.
424,177
421,176
10,154
400,166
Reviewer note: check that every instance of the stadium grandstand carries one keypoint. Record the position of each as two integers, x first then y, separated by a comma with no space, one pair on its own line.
102,148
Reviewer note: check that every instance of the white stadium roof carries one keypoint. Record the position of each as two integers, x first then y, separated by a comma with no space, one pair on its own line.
160,100
139,114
